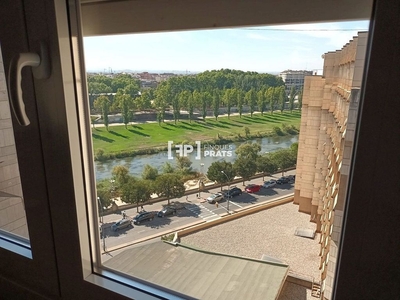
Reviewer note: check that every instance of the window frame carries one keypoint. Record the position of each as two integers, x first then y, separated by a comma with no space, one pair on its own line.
69,218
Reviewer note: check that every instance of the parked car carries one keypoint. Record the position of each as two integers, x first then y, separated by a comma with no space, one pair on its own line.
253,188
144,216
292,178
166,211
121,224
269,184
215,198
233,192
283,180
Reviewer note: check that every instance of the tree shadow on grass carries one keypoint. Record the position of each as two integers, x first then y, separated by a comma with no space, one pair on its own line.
188,127
204,125
254,120
137,126
230,124
270,119
138,132
218,124
103,138
278,117
118,134
242,122
192,125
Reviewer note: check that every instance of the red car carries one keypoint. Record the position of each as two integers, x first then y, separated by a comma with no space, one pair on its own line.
253,188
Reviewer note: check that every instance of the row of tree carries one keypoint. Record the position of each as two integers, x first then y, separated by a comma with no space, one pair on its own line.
207,91
170,183
249,162
138,190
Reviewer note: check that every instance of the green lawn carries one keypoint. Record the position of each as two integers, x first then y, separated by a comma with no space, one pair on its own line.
150,135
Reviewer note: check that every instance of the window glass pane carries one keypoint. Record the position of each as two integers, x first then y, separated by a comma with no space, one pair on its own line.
238,153
12,211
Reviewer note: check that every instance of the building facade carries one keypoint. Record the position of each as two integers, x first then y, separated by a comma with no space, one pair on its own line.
329,115
294,78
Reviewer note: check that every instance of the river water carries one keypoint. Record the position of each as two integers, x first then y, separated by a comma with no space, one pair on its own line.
135,164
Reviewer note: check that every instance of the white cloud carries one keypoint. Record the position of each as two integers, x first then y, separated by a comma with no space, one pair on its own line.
335,34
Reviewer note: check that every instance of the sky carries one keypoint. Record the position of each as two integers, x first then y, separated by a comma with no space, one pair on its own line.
269,49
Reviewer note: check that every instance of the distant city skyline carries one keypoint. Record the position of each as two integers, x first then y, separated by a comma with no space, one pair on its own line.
270,49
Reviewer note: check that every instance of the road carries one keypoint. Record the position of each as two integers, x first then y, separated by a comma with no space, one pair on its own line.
195,210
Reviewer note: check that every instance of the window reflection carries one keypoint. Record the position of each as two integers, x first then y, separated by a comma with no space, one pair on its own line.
12,211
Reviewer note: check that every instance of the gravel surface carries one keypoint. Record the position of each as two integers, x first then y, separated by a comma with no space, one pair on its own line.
269,232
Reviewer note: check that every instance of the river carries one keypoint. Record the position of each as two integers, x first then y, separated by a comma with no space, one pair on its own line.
135,164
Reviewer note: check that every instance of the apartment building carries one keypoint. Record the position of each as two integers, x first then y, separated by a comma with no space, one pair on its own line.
329,116
294,78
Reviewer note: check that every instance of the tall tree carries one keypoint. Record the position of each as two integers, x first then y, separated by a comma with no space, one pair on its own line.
132,90
300,98
216,100
251,99
144,101
282,98
276,96
266,165
227,99
186,101
99,79
122,81
269,95
221,172
197,99
169,186
136,191
161,102
167,168
206,98
248,150
120,175
292,95
103,103
245,168
125,103
176,108
104,188
261,102
284,158
240,102
95,89
245,164
184,164
149,172
190,106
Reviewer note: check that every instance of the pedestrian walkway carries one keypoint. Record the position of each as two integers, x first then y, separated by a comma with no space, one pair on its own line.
203,212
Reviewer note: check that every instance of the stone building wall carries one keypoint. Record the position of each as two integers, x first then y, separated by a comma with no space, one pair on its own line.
329,115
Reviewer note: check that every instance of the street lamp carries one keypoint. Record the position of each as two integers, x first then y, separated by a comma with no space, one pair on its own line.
227,207
201,178
102,223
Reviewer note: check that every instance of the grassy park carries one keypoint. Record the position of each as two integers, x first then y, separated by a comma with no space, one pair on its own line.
152,135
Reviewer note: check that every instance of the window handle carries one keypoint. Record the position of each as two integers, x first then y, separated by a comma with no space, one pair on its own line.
41,70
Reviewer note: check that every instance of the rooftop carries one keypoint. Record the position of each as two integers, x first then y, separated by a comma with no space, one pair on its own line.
202,274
